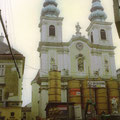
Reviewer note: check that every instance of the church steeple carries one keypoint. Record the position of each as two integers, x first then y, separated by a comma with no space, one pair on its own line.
99,30
50,22
97,11
50,9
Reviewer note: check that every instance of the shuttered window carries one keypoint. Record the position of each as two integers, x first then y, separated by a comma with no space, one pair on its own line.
103,34
52,30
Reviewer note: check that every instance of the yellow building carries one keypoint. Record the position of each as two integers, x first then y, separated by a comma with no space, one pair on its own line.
26,112
10,83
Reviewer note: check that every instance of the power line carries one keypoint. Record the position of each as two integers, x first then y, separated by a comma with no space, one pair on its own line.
32,67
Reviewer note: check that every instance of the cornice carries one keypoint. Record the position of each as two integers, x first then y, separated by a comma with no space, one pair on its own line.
45,79
42,18
98,23
75,39
51,18
66,79
97,46
99,52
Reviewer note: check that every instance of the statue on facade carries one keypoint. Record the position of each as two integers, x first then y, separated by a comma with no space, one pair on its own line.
114,105
78,29
52,62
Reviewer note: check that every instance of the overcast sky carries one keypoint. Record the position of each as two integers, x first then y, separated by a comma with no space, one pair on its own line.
23,17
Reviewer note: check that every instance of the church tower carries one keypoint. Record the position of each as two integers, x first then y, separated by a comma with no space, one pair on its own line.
100,35
51,23
99,31
52,53
51,36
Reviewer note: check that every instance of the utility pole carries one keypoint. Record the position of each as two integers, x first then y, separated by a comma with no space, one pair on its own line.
6,35
89,102
90,92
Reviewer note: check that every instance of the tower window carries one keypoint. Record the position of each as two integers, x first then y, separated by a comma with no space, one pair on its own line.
103,34
91,37
81,63
52,30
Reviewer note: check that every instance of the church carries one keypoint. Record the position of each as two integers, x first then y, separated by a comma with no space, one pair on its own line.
78,60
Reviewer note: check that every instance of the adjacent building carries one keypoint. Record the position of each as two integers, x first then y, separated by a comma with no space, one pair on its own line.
78,60
10,83
26,112
116,6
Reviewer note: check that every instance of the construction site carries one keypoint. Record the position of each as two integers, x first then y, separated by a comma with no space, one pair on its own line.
89,99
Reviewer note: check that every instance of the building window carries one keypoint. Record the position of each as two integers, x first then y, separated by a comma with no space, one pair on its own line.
1,94
2,70
12,114
91,37
103,34
81,63
52,30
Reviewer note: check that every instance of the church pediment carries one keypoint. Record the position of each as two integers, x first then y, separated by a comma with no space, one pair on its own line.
91,45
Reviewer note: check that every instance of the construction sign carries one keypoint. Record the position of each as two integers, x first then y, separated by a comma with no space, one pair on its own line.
75,92
96,84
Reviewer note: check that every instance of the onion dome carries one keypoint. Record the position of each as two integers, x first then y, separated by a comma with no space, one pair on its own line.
50,8
97,11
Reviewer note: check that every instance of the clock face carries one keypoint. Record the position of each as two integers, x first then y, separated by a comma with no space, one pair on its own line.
79,46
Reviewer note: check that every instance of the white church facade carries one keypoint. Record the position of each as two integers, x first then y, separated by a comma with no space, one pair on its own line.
79,58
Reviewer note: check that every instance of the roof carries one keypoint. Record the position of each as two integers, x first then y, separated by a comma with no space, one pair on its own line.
5,52
4,49
27,108
118,70
29,105
36,77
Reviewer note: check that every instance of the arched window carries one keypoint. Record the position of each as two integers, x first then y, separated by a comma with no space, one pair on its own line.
103,34
91,37
81,63
52,30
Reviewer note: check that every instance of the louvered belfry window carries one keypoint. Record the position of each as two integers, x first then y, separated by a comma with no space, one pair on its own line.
103,34
52,30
